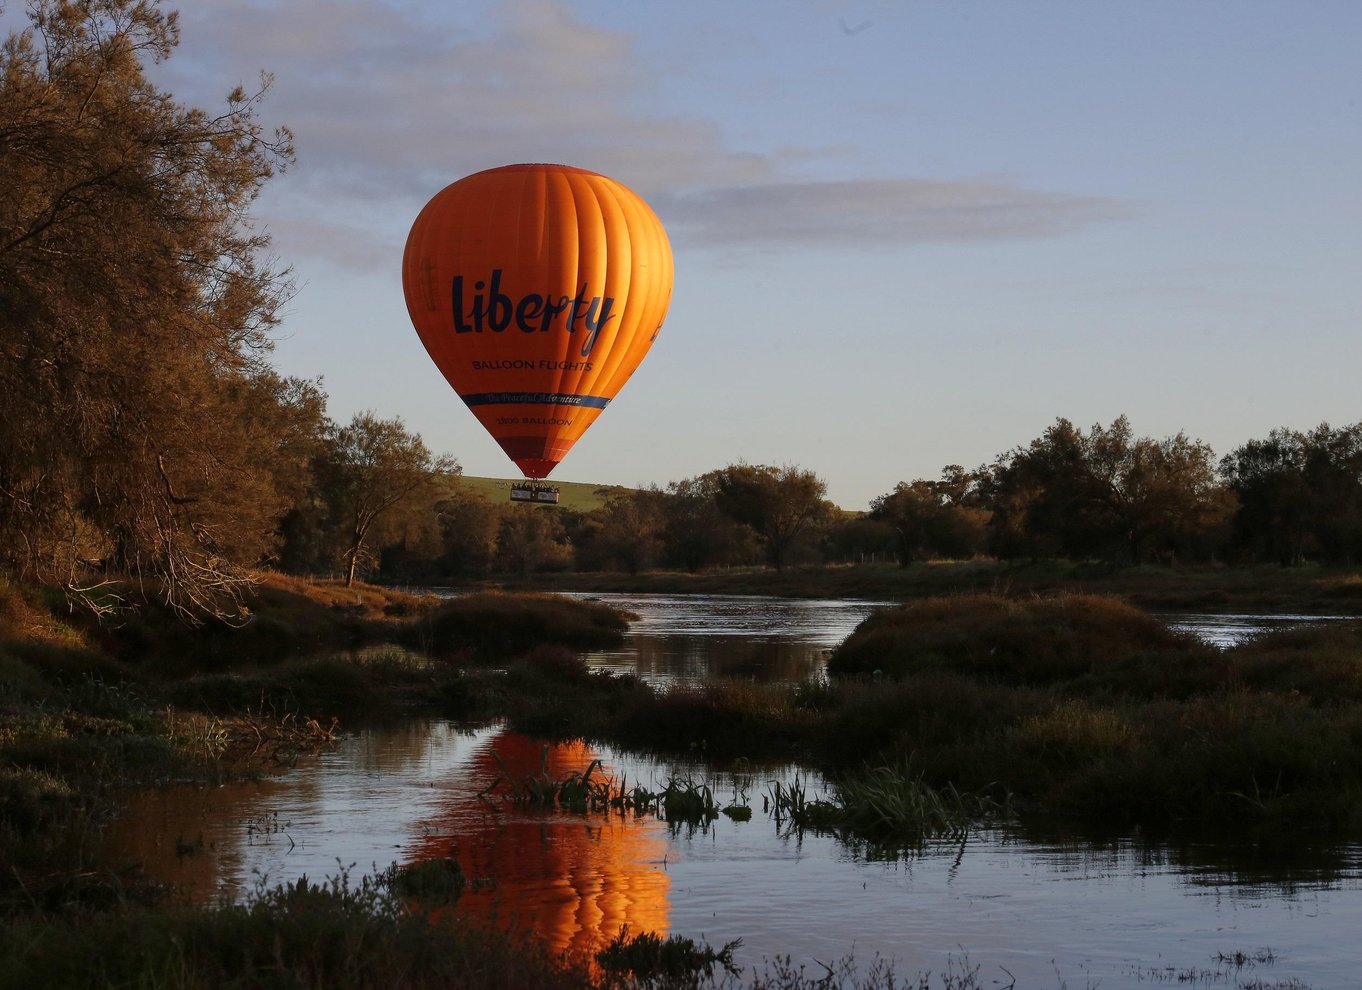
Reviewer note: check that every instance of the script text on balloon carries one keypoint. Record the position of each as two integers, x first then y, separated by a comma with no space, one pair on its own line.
496,311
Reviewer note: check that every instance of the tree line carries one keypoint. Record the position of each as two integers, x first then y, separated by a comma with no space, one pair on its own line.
1106,494
1102,494
148,447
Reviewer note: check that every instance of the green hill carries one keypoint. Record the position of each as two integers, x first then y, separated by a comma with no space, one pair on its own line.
571,494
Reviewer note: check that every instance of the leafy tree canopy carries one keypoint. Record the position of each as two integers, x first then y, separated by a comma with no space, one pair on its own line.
143,434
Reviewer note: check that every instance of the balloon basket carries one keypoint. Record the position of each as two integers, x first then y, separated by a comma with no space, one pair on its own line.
534,491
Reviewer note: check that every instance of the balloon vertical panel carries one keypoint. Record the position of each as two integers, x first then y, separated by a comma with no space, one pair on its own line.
537,290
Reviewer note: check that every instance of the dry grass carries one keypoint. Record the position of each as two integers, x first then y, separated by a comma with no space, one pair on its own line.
504,625
1036,641
365,601
24,615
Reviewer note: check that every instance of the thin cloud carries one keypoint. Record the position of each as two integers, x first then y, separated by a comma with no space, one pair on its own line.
385,104
349,246
875,212
389,104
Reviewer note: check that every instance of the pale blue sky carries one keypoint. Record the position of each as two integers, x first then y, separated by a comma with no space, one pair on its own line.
906,233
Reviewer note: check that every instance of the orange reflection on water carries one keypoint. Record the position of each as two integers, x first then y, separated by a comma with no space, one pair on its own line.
574,880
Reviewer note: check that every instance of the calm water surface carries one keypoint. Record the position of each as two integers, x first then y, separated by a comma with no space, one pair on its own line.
691,638
1227,629
1051,909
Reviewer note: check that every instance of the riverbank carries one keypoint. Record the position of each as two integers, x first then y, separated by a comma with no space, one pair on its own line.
89,708
1308,590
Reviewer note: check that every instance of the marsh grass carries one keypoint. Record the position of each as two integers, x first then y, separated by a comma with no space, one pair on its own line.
884,805
1075,730
429,882
688,802
1227,969
1140,734
495,625
386,930
651,960
592,791
249,739
378,932
33,800
1037,641
1322,662
959,974
893,801
793,803
575,792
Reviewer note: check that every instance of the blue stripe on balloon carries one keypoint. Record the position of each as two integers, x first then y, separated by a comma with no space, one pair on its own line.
535,399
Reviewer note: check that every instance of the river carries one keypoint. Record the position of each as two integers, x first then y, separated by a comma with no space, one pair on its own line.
1048,908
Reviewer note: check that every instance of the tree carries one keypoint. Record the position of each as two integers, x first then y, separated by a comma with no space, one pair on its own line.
469,526
696,535
532,539
859,537
934,518
1170,499
779,504
371,467
1333,474
135,310
1268,476
623,534
1040,496
1102,494
1299,494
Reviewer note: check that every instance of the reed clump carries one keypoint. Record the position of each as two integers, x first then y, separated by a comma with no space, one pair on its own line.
686,801
649,959
886,805
429,882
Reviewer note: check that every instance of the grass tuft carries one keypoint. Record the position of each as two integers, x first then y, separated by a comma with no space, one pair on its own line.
887,805
650,959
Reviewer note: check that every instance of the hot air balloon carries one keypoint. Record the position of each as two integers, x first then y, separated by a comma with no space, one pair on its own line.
537,290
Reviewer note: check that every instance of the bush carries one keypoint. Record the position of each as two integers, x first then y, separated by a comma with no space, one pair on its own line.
492,625
1036,641
1321,662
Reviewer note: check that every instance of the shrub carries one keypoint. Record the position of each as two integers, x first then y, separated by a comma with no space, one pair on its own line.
493,625
1322,662
1038,641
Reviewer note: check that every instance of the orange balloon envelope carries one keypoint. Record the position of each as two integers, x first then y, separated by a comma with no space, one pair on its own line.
537,290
